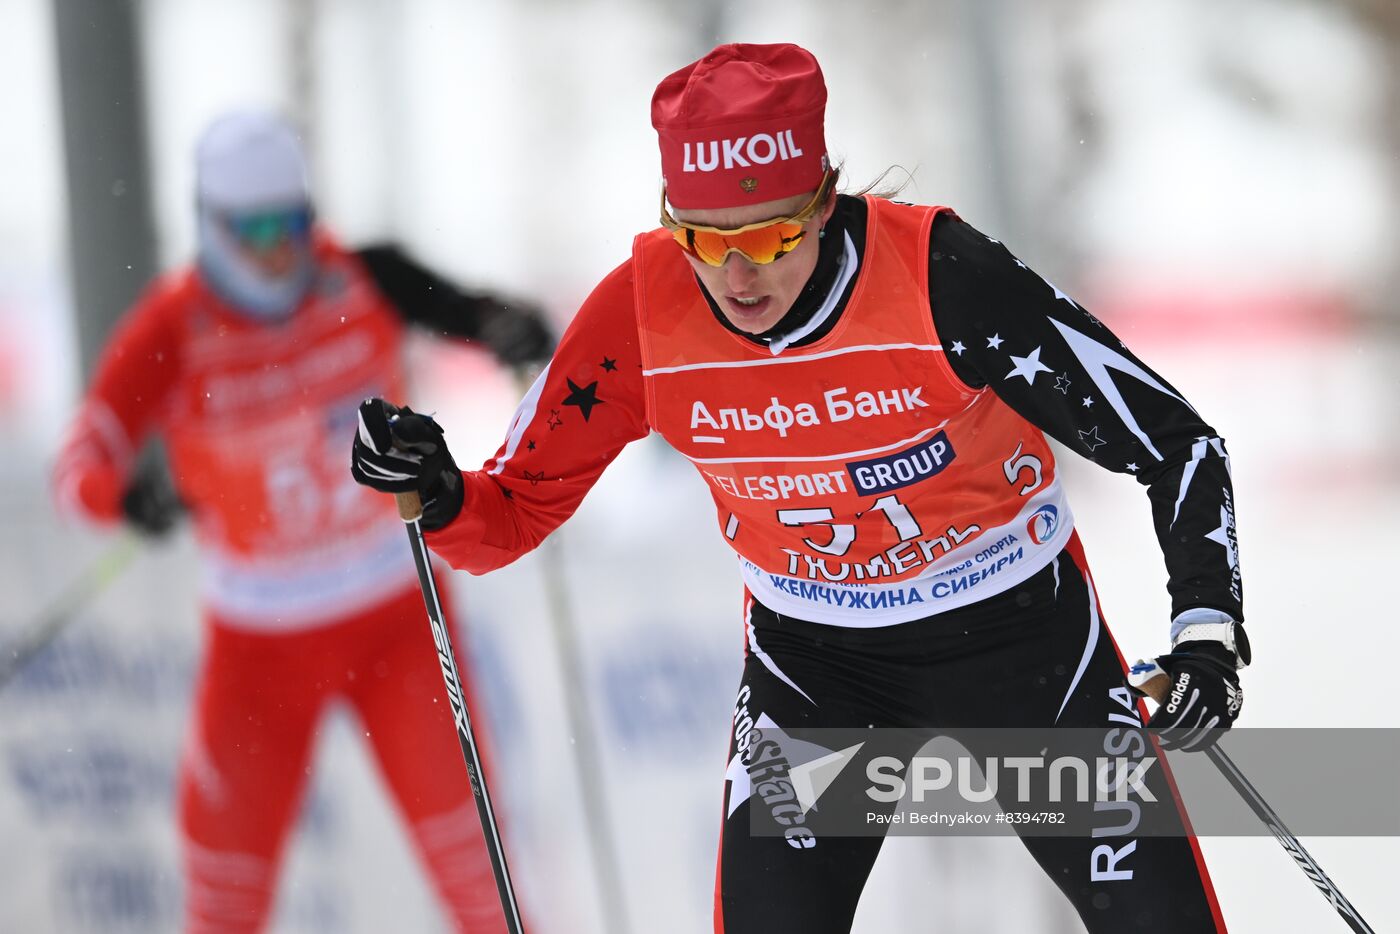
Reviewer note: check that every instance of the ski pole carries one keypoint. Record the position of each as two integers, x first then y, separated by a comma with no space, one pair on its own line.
1157,688
606,865
411,511
63,610
595,806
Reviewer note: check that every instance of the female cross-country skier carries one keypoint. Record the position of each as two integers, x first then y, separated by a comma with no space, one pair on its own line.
866,388
250,364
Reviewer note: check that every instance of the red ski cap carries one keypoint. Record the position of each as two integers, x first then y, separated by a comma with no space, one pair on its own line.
741,126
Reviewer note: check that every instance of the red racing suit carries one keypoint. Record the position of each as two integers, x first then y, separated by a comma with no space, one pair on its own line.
309,590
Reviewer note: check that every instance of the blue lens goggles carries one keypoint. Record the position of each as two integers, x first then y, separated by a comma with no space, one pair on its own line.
262,230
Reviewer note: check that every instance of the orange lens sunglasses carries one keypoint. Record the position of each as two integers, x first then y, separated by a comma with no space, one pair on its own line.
759,243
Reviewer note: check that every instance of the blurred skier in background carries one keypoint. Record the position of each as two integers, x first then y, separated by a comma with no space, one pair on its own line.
249,364
866,387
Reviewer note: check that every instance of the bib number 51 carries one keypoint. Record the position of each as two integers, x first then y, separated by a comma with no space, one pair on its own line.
843,534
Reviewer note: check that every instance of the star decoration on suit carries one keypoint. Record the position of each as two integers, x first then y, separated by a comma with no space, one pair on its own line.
585,397
554,420
1062,296
1131,468
1088,402
530,446
1062,383
1221,536
1028,366
534,478
994,342
958,348
1091,438
608,364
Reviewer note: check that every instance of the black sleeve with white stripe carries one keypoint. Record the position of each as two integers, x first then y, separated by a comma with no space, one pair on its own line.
1004,327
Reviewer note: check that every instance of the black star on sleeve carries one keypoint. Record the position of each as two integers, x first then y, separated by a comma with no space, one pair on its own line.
585,397
1060,368
561,438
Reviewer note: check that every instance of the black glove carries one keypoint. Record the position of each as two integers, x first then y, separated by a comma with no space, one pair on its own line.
1203,696
397,450
150,503
517,334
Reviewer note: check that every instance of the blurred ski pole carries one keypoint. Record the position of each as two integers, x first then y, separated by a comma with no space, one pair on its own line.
585,741
410,511
579,710
67,606
1157,687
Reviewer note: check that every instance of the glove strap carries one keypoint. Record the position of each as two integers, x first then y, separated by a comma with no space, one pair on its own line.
1229,634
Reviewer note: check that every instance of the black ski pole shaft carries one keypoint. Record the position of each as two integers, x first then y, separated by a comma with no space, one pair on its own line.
1285,837
1157,689
61,613
411,511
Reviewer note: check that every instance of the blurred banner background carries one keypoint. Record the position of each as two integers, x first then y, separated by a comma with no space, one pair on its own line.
1219,180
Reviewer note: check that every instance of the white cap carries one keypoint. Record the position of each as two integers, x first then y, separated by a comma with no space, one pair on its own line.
250,160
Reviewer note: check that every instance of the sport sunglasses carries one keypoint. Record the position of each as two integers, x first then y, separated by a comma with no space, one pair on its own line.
759,243
263,230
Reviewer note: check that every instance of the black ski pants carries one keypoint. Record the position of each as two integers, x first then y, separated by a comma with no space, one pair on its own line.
1037,655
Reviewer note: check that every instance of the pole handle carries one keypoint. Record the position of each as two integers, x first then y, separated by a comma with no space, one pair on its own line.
410,505
1157,688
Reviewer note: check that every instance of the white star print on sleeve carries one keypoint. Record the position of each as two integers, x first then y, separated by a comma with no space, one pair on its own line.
1028,366
1097,360
1221,536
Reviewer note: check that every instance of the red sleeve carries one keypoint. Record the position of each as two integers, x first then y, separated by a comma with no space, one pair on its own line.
129,386
581,411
